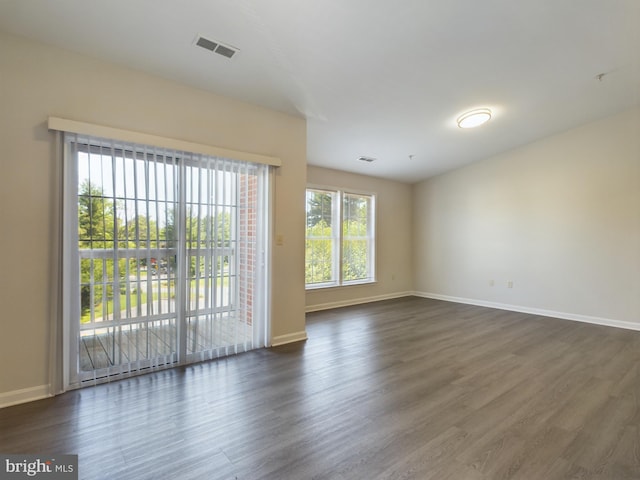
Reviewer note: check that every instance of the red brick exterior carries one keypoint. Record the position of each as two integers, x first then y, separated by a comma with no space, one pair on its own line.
247,244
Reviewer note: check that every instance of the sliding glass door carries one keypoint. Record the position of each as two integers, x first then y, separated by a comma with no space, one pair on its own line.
166,258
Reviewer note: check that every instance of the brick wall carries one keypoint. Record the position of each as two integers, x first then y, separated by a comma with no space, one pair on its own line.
247,244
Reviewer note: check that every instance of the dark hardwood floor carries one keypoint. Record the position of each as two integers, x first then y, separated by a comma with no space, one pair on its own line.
402,389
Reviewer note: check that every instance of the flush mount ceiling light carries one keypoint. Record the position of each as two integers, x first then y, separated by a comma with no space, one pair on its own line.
474,118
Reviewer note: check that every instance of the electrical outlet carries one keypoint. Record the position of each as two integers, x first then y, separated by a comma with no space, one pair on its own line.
510,284
491,283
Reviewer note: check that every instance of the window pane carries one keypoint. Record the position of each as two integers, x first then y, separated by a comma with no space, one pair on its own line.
357,237
355,260
321,245
320,205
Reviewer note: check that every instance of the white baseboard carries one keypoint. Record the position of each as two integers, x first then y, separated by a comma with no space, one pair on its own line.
356,301
289,338
15,397
534,311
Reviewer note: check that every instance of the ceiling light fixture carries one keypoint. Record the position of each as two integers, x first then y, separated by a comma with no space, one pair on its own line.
474,118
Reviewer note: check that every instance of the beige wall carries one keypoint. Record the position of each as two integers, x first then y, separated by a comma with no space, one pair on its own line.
393,241
37,81
559,217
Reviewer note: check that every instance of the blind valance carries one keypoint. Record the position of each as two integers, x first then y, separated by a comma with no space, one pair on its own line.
83,128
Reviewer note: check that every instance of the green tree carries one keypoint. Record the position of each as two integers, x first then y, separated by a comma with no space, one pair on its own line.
320,248
169,232
319,207
207,232
319,253
139,232
96,216
355,260
97,225
355,246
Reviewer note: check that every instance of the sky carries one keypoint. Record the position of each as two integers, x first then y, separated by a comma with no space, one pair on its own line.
150,188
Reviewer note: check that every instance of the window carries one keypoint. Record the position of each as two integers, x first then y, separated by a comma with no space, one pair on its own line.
340,238
166,254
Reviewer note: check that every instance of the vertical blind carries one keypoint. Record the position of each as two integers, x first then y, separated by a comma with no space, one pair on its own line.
167,253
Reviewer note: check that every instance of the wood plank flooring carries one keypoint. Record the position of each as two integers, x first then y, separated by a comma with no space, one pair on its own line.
402,389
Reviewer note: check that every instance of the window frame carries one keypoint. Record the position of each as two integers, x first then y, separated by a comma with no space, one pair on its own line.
339,194
73,376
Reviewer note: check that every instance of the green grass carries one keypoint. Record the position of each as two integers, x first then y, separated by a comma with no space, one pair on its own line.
98,310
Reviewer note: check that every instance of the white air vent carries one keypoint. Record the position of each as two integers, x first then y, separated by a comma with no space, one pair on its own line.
216,47
367,159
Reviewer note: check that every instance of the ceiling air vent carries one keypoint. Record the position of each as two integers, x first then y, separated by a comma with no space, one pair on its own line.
367,159
216,47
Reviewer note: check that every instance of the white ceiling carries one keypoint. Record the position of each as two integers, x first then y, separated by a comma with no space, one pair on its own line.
377,78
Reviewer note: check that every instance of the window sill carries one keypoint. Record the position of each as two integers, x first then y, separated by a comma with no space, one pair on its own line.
311,288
